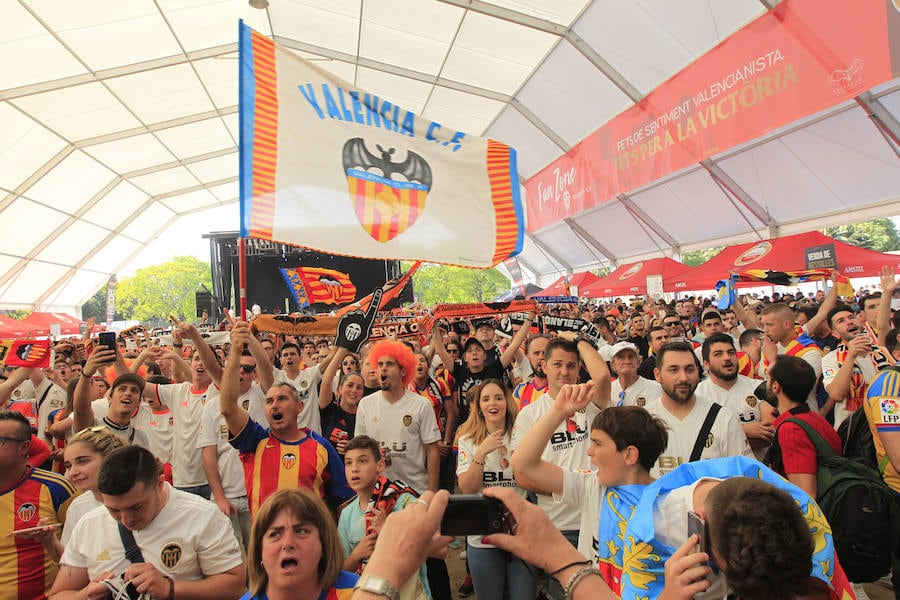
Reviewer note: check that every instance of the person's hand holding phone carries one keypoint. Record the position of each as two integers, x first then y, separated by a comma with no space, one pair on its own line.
686,572
100,358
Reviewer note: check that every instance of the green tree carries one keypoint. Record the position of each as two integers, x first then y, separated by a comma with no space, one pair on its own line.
698,257
878,234
95,306
157,291
439,284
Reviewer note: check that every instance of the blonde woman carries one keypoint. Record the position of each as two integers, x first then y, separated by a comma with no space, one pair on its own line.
483,461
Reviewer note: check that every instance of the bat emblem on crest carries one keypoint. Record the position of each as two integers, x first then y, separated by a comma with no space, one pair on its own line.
387,196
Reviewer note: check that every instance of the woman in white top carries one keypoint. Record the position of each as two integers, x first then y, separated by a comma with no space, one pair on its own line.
82,457
483,461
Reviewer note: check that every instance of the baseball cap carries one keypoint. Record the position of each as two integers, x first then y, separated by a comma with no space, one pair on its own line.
129,378
622,347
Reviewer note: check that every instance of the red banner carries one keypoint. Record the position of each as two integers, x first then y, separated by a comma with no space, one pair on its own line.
801,57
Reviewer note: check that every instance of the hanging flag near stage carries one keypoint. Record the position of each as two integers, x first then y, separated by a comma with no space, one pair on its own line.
390,291
312,285
25,353
331,167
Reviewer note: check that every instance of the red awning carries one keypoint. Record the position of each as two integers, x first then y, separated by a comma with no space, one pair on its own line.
780,254
12,328
42,321
577,282
631,279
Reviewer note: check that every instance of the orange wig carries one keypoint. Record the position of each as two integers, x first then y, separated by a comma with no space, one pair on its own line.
399,352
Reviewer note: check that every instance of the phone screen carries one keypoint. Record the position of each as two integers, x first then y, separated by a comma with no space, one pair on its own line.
107,339
473,514
696,525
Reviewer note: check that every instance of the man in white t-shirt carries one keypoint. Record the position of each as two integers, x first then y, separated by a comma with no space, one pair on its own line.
187,401
187,545
629,388
570,440
624,443
222,463
47,397
736,392
306,381
124,400
401,421
684,412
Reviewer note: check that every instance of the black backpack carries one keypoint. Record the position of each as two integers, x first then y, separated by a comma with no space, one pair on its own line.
857,442
859,507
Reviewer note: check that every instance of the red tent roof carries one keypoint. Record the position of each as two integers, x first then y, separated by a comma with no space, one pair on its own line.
780,254
12,328
578,282
42,321
631,279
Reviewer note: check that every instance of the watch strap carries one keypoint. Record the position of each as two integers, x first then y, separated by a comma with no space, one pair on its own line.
377,585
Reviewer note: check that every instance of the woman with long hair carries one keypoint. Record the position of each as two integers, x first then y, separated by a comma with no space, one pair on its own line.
83,456
483,461
295,551
338,410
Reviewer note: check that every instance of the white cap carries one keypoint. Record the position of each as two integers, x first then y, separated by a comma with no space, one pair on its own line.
621,347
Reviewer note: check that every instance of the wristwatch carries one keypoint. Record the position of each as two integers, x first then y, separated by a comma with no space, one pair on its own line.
377,585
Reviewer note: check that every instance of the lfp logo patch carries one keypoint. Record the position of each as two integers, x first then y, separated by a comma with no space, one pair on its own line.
890,411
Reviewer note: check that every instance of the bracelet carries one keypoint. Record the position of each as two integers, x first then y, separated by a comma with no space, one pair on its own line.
477,462
171,588
177,345
584,563
577,578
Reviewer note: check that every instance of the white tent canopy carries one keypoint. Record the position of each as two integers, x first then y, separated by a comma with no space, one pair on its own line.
118,117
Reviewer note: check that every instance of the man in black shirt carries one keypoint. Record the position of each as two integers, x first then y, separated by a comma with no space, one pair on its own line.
475,367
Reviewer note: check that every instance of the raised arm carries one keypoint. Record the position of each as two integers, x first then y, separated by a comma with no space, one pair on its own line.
82,412
747,319
517,340
263,366
596,368
207,356
883,321
531,471
437,343
827,304
235,416
12,382
326,388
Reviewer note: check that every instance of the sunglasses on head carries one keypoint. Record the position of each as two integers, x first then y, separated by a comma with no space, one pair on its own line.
248,368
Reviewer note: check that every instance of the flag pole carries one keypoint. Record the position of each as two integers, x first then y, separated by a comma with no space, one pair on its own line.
242,277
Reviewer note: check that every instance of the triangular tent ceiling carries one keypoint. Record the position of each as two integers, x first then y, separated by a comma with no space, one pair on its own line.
781,254
119,118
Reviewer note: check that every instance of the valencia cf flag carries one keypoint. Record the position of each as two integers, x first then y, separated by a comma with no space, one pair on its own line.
312,285
25,353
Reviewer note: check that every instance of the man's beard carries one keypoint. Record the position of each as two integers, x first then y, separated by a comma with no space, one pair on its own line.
538,372
723,375
680,395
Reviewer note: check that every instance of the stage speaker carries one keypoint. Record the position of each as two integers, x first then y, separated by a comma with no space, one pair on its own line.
204,303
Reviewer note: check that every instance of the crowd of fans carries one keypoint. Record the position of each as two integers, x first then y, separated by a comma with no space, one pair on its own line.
269,466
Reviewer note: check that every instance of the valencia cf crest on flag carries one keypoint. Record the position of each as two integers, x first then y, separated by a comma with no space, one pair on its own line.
25,353
388,196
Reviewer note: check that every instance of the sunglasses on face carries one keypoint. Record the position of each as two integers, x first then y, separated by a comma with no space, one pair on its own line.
248,368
